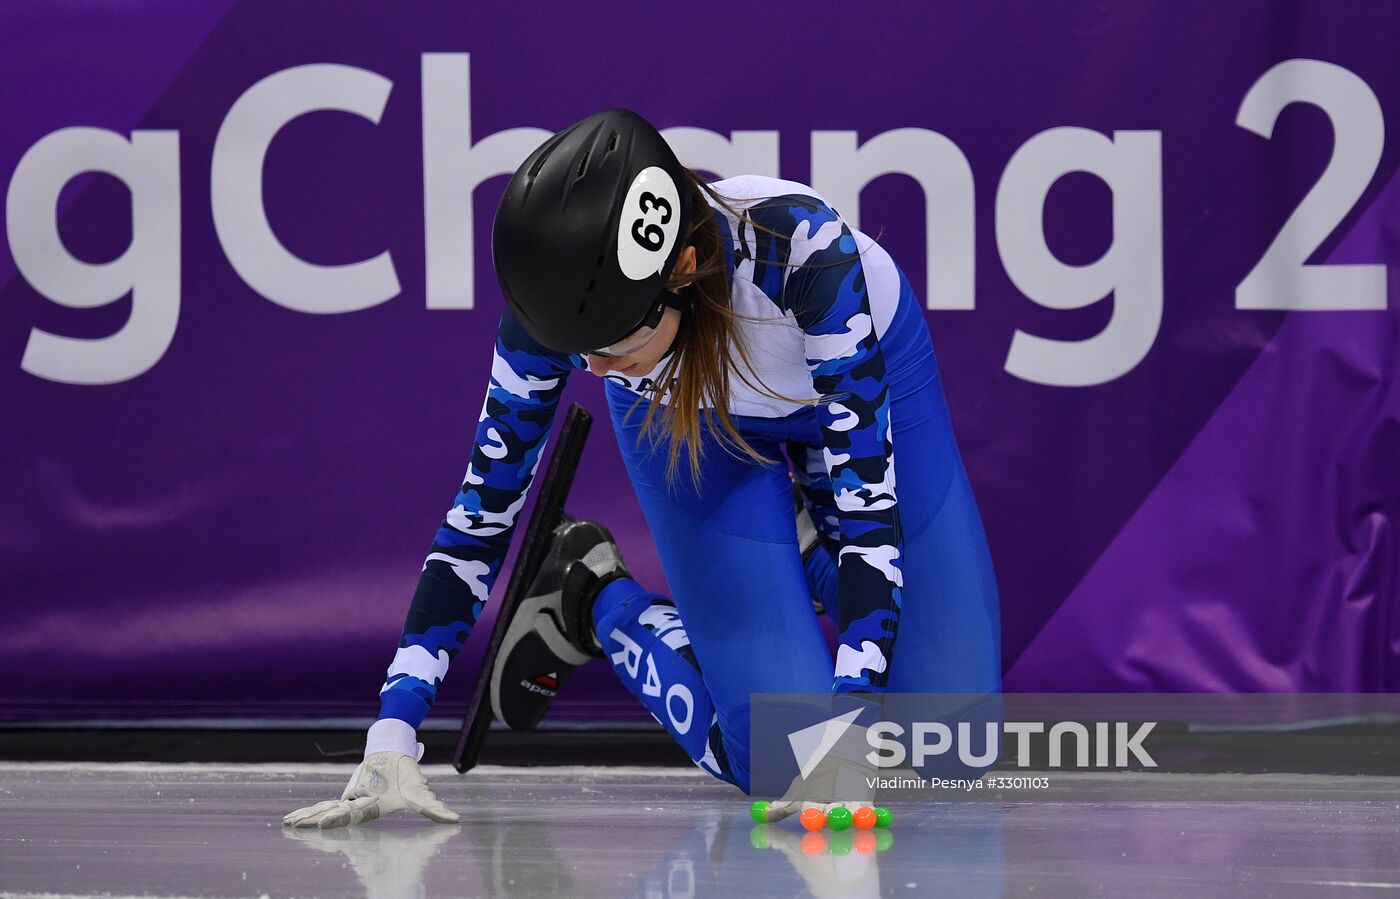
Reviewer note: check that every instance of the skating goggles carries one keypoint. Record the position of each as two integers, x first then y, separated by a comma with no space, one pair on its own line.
641,335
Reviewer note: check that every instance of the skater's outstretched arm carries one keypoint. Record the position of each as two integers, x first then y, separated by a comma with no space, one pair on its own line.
817,276
471,543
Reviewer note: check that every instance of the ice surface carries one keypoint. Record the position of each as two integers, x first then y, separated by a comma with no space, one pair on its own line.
200,830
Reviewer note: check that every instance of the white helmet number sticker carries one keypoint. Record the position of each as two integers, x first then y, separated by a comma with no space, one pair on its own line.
646,231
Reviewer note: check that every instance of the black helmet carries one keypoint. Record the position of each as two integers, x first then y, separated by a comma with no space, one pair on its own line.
589,230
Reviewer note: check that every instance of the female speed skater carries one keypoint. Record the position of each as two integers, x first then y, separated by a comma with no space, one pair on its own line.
740,327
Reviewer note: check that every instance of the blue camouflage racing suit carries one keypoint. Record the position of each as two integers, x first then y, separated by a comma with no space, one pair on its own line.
834,329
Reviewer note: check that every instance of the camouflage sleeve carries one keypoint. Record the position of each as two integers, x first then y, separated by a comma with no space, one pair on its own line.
825,290
471,543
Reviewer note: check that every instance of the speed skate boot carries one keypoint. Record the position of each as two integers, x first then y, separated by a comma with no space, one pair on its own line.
552,631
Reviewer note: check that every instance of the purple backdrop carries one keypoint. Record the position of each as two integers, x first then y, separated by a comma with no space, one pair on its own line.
237,529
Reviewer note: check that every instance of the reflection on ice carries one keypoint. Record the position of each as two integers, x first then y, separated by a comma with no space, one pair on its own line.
678,850
163,830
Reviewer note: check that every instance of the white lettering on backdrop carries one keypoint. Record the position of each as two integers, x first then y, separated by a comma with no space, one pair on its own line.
1129,274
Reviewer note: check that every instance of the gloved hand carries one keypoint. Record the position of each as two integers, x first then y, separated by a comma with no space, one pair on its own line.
835,782
843,777
840,773
385,782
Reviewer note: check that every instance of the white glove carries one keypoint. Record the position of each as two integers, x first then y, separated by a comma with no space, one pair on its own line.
843,778
834,777
385,782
